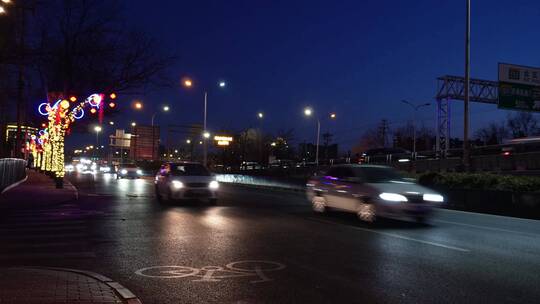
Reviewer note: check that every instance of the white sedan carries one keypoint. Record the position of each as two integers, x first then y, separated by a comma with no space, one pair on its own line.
371,192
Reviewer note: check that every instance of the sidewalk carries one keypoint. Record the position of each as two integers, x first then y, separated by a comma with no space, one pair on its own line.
28,285
38,190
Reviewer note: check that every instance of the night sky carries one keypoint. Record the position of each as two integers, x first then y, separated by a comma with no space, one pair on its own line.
357,58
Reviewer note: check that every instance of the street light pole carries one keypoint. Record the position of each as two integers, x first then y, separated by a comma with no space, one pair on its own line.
318,140
205,145
466,154
415,108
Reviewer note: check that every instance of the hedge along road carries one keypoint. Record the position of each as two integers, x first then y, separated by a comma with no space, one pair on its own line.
460,257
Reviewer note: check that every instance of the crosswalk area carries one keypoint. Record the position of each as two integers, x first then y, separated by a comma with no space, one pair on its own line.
52,233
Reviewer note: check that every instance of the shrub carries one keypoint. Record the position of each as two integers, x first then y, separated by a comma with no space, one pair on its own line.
481,181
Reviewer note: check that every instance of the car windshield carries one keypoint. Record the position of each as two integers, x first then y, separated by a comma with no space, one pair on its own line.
189,170
378,174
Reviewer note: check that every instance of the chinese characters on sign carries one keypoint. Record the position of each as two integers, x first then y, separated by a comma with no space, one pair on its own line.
519,87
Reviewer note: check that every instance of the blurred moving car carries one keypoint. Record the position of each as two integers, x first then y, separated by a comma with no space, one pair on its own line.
128,170
185,180
372,191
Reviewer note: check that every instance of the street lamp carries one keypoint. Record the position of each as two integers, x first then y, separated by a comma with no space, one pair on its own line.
415,108
111,123
133,124
138,105
164,109
260,115
308,111
189,83
97,129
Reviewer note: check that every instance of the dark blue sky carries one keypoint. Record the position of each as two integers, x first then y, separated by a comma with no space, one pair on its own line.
357,58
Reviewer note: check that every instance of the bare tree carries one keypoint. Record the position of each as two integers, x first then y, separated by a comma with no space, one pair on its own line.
492,134
523,124
85,47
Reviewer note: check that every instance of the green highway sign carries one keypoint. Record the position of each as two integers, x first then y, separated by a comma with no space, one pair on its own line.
519,87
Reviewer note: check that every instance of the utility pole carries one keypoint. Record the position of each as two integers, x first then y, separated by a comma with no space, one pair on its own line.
383,132
466,85
21,102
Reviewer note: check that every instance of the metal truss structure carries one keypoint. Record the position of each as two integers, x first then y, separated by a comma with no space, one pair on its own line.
452,88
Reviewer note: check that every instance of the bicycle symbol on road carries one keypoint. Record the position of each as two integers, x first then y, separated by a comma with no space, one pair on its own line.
247,268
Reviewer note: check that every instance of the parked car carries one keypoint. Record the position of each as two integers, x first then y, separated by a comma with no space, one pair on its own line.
128,170
372,191
185,180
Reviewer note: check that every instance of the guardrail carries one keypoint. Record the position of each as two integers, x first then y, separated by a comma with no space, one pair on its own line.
480,163
12,170
260,181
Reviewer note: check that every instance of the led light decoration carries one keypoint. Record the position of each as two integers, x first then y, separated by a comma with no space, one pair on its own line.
51,140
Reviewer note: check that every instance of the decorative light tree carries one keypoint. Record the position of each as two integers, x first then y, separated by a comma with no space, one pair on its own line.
60,117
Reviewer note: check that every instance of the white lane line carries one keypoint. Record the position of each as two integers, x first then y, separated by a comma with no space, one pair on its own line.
487,228
398,236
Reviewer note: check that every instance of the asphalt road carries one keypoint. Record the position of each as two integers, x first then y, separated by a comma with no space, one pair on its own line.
262,246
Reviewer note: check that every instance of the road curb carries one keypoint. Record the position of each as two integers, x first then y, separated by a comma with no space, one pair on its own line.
14,185
125,294
75,190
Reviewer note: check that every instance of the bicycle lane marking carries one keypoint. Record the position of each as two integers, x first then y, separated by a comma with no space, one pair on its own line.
244,268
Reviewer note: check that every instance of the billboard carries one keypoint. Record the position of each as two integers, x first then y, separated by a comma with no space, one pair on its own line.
145,143
519,87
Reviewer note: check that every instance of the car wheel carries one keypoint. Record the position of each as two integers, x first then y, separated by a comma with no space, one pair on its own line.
158,196
421,220
169,197
366,212
318,203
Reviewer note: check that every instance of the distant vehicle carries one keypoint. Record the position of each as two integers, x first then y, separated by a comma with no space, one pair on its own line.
250,166
185,180
106,168
385,155
371,191
281,164
128,170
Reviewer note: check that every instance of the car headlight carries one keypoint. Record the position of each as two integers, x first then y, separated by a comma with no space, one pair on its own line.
392,197
213,185
177,184
433,198
139,172
123,171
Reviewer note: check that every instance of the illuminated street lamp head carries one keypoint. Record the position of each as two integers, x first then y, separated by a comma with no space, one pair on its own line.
308,111
188,141
188,83
111,123
138,105
260,115
206,134
333,115
97,129
133,124
222,84
166,108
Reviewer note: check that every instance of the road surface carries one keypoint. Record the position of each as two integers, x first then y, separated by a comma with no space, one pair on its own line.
262,246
